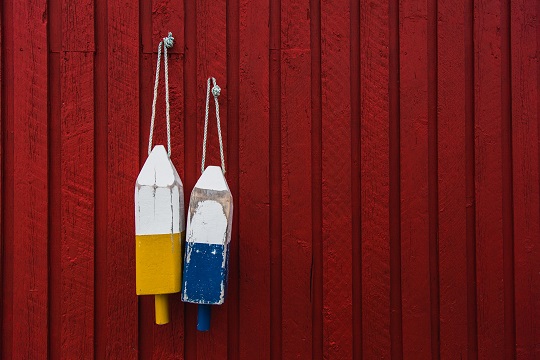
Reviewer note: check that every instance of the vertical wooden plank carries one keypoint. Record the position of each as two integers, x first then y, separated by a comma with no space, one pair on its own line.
433,178
356,185
336,175
296,180
122,169
233,154
374,97
30,175
296,228
7,179
488,181
55,192
509,326
77,180
415,274
296,213
3,129
254,181
77,205
212,61
54,79
452,181
2,179
77,25
470,179
316,179
525,38
396,330
275,175
101,231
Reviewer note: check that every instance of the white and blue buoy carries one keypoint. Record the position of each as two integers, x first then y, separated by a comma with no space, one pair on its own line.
208,235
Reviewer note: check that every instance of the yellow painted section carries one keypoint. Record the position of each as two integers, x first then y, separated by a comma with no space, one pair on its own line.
158,263
162,309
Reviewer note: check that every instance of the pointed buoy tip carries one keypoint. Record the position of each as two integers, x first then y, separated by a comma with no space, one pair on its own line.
212,179
158,169
159,149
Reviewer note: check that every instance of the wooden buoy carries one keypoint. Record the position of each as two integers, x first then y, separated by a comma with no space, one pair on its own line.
207,243
159,229
209,226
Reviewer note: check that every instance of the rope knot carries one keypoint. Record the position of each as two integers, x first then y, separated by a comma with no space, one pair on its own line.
216,91
168,41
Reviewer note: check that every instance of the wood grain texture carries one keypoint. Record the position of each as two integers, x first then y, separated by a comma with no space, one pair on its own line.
394,201
77,25
55,178
316,179
296,212
77,205
2,114
2,117
275,175
7,178
470,182
336,183
233,100
415,271
356,184
122,159
488,172
76,182
525,38
452,181
296,231
374,107
30,285
101,131
211,61
254,220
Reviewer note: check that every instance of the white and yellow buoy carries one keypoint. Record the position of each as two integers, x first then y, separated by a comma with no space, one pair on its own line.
159,214
159,228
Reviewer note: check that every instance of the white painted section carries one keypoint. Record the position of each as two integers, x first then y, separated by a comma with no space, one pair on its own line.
157,169
159,196
212,179
208,225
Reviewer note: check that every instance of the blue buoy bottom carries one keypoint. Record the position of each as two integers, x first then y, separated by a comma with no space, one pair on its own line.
203,317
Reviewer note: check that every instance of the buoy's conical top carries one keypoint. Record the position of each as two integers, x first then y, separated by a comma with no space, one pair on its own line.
158,170
212,179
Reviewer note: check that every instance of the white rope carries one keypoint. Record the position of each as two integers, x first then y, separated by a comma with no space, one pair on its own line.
168,41
216,91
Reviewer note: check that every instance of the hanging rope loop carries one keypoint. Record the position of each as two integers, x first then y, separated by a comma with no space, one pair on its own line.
168,42
216,91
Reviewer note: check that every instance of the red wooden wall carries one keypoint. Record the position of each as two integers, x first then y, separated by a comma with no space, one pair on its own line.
383,157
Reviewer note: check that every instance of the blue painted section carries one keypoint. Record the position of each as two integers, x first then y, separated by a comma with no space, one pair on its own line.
204,314
205,270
